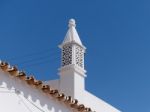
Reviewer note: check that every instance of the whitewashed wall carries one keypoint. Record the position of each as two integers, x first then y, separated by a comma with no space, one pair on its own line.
17,96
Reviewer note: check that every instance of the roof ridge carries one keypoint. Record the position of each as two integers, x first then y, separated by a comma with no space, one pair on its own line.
73,103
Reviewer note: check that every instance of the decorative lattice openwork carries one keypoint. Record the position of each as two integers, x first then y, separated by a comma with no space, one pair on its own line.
79,56
67,55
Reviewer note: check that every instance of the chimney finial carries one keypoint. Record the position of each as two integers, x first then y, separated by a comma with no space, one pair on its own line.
72,23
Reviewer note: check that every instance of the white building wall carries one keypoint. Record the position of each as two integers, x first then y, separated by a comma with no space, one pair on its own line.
97,104
85,97
17,96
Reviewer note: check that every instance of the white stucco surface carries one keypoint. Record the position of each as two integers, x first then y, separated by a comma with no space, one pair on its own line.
97,104
88,99
17,96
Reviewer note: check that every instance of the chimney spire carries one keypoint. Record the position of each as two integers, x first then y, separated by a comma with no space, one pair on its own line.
72,72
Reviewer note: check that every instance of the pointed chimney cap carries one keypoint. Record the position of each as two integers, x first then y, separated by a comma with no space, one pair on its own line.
72,34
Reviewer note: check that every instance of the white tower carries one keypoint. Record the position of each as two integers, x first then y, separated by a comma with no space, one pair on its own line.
72,73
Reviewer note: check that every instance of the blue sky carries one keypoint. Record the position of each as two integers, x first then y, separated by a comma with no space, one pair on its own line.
115,32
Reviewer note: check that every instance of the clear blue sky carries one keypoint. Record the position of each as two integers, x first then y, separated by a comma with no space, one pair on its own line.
115,32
